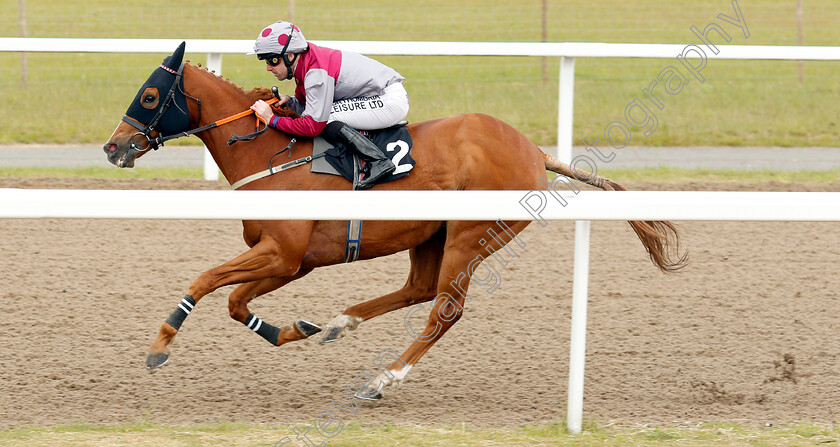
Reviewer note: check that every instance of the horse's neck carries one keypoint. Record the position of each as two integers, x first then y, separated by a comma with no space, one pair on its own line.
221,99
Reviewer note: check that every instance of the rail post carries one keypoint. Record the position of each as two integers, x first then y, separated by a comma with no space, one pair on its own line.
211,170
565,109
577,350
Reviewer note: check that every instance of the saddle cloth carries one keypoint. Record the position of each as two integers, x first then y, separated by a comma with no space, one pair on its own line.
395,142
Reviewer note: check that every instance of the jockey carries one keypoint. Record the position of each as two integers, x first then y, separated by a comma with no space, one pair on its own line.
336,92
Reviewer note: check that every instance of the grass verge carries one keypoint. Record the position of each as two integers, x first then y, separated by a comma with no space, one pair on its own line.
355,434
80,97
666,174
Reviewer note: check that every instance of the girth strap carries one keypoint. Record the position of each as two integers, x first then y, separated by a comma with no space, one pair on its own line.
354,240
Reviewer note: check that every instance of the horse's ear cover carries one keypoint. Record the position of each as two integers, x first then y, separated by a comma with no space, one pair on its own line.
174,61
176,119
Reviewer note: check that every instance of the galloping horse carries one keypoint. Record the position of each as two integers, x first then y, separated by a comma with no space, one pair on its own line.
463,152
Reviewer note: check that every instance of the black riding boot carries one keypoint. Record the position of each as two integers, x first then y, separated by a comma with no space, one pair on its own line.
380,165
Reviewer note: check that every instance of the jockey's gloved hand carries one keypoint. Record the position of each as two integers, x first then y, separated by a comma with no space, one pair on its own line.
283,100
263,110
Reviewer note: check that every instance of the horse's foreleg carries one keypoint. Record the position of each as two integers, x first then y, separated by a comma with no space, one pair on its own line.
420,287
238,306
263,260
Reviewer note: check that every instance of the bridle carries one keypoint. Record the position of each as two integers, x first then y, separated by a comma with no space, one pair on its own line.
146,130
177,88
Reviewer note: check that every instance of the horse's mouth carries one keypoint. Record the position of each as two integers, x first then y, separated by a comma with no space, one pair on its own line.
121,159
127,159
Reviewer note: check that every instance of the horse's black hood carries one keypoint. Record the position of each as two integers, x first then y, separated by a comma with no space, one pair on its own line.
175,115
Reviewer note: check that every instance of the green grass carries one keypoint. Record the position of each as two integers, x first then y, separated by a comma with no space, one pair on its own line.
79,98
666,174
355,434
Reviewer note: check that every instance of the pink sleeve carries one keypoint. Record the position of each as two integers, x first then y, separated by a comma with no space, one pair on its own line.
319,88
304,126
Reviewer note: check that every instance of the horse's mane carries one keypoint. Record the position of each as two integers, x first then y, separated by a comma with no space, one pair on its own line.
253,95
265,94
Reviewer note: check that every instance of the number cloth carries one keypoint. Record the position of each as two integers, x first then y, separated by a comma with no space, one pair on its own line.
395,142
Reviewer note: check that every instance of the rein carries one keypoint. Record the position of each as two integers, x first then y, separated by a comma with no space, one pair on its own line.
233,138
156,143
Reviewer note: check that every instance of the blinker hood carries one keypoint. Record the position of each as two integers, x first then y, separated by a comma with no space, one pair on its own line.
171,114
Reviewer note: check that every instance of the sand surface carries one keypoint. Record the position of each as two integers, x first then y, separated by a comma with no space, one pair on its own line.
748,332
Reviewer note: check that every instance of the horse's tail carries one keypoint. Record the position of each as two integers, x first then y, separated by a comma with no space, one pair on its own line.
660,238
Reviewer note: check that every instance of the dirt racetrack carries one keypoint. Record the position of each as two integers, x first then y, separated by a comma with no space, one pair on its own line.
749,332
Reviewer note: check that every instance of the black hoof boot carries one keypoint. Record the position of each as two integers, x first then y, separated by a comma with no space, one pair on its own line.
156,360
331,334
306,328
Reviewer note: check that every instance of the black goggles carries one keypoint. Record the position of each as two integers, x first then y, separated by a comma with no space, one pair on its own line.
271,59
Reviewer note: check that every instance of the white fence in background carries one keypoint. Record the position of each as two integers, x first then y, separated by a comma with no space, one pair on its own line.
567,51
440,205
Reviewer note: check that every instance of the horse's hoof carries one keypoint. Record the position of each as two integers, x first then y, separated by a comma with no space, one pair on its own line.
331,334
369,393
306,328
156,360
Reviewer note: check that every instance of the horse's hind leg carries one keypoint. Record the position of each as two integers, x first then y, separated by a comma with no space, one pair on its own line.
462,255
243,294
420,287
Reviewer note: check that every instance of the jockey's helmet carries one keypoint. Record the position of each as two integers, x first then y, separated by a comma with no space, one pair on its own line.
278,40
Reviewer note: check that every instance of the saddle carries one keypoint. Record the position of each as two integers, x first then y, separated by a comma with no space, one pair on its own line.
394,142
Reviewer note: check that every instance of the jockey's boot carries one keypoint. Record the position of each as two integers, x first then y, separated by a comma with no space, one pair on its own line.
380,165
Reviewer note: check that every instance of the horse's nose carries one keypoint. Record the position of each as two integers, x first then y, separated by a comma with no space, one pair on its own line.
110,148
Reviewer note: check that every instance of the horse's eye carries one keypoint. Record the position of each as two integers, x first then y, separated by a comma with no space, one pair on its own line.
150,97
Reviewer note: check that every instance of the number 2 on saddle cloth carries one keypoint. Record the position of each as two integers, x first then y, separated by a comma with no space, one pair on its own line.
395,142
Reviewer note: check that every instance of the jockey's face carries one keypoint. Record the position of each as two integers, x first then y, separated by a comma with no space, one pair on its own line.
280,71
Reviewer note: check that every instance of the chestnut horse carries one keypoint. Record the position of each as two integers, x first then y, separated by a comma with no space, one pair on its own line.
463,152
